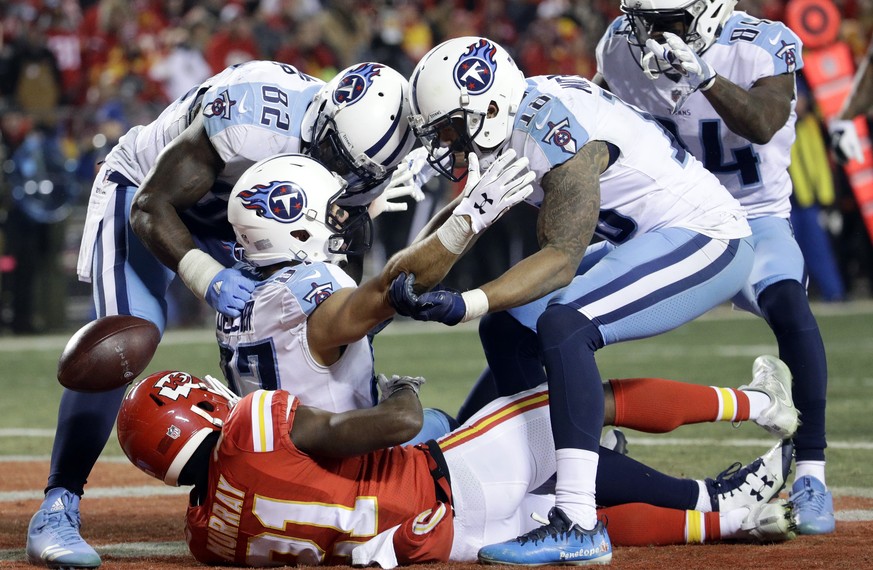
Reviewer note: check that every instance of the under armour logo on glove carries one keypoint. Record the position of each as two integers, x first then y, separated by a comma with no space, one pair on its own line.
507,179
485,201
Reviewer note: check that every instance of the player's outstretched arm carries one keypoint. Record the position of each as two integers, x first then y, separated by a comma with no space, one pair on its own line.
568,216
395,420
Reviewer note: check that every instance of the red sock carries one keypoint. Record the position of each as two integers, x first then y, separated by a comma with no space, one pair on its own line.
656,405
640,524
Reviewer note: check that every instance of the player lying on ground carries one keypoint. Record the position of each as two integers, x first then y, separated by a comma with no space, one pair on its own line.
277,482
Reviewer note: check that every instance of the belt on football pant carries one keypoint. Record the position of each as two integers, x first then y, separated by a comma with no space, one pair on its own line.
439,470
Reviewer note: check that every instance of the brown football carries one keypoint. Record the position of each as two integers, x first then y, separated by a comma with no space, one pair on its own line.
107,353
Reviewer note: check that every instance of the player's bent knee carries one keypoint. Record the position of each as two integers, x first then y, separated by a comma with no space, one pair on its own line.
561,323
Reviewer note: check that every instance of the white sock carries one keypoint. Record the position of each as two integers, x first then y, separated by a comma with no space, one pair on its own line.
704,503
575,490
731,521
812,468
758,402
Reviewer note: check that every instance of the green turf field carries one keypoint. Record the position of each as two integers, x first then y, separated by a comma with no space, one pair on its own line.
717,349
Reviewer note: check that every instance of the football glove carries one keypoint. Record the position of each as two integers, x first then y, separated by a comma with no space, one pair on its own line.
845,141
684,60
487,196
388,386
401,184
444,305
229,291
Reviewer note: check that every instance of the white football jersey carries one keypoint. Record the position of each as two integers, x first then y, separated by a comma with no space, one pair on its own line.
650,183
747,50
250,111
267,346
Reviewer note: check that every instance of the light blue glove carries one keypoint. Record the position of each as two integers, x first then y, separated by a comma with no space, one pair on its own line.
229,291
683,59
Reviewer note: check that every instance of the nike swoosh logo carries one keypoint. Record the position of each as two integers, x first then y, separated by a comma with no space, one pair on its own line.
314,275
776,39
242,104
540,124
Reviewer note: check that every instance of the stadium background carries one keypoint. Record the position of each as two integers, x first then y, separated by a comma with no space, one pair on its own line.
75,75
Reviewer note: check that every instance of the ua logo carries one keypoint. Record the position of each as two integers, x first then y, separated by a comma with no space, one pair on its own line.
486,201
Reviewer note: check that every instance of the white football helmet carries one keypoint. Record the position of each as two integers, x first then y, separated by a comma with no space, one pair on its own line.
452,87
357,125
697,22
283,208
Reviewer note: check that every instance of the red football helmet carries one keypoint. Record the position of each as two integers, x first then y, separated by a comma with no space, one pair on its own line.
166,416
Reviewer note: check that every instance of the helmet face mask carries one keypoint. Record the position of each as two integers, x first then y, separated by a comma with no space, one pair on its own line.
357,125
164,419
448,136
284,209
464,95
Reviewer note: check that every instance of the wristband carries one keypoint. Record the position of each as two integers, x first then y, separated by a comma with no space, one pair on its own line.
455,234
476,302
197,269
706,86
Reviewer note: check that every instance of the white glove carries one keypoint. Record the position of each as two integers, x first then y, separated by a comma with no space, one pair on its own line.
407,180
684,60
488,196
388,386
845,141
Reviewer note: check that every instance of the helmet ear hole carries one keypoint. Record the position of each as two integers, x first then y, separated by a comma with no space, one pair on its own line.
301,235
206,406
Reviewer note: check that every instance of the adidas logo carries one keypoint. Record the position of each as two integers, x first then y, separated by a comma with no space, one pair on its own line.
58,505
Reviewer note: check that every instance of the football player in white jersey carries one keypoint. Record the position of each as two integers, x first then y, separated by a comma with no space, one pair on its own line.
158,207
677,245
723,82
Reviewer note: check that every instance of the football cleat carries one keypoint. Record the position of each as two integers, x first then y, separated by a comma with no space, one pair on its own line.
758,482
53,537
558,542
615,440
768,522
772,377
813,506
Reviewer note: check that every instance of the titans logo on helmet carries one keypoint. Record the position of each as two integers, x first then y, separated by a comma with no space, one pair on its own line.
355,83
280,201
219,107
475,68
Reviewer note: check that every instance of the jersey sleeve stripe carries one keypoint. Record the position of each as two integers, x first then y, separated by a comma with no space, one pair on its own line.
262,421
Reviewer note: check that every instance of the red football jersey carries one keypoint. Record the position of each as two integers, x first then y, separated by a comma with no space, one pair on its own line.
268,503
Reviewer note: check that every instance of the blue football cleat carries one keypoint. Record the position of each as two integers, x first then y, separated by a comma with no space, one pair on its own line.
813,506
558,542
53,537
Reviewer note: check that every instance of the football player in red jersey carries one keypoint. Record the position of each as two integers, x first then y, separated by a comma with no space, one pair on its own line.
277,482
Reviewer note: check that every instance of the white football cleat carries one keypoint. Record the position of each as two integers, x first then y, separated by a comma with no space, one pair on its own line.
767,522
771,376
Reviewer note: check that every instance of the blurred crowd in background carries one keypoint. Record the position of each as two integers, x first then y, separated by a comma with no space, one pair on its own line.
76,74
